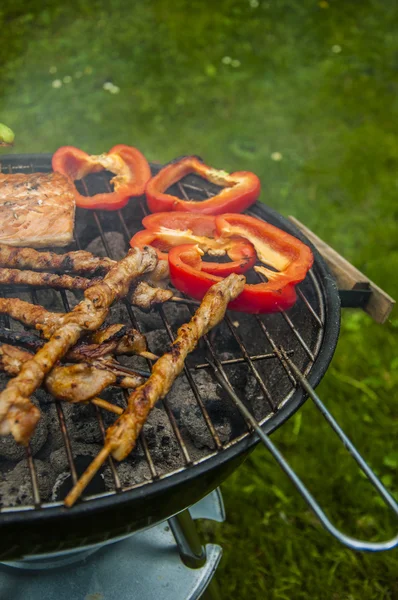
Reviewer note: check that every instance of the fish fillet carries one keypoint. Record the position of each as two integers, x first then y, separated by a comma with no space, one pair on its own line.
36,209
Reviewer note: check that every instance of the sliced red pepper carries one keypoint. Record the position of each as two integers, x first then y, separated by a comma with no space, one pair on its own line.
132,172
275,247
241,189
166,230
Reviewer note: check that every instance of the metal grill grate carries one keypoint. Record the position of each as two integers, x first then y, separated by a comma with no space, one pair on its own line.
298,333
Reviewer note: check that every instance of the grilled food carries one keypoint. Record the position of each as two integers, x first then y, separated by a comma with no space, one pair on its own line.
79,261
58,282
146,297
114,339
71,384
36,209
17,414
122,435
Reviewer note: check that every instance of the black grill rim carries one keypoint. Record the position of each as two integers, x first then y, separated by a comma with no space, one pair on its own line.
155,488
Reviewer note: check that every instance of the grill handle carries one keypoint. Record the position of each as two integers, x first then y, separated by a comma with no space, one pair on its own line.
356,290
350,542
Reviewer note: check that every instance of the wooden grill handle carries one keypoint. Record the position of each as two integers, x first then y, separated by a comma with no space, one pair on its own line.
379,305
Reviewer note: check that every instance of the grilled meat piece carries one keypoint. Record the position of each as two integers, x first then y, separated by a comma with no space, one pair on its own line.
79,262
122,435
146,297
29,314
17,414
36,209
113,339
81,382
75,383
58,282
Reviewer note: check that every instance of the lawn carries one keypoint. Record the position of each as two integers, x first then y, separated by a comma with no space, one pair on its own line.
305,94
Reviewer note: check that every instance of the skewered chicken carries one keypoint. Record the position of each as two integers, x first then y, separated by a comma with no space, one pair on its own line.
122,435
32,278
79,383
79,261
17,414
114,339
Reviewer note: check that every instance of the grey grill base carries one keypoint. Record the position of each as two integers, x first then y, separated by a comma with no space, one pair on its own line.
145,566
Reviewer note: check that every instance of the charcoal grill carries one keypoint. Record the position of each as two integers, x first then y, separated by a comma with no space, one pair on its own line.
295,346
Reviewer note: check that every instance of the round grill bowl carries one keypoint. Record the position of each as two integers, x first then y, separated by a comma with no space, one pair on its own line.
31,531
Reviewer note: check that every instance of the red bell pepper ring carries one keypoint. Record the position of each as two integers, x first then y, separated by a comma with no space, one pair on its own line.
241,189
166,230
131,169
276,248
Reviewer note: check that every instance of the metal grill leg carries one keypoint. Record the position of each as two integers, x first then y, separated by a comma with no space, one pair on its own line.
192,553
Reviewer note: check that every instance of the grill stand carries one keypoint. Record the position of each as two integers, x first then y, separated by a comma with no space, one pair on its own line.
146,565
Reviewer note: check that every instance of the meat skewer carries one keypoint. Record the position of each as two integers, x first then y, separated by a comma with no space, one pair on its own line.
17,414
33,278
144,296
114,339
122,435
79,261
74,385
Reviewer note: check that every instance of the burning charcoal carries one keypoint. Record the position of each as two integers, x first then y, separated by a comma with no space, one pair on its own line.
257,402
81,423
59,460
160,437
83,454
12,451
50,299
118,314
148,321
236,373
16,490
158,341
129,474
116,242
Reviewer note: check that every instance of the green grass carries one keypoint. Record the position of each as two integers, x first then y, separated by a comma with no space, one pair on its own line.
316,82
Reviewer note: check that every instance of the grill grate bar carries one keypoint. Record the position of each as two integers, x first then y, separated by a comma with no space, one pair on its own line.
110,460
33,478
235,361
194,388
275,349
134,321
252,367
291,325
309,307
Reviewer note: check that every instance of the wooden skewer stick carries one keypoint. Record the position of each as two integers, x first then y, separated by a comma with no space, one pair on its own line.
107,405
87,476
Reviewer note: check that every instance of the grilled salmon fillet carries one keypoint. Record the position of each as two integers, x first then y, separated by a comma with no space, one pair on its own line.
36,209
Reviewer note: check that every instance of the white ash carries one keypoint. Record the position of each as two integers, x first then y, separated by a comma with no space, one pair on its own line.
59,460
116,242
16,490
129,474
59,482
